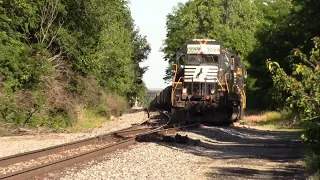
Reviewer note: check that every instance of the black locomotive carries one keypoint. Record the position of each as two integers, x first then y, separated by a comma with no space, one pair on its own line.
208,80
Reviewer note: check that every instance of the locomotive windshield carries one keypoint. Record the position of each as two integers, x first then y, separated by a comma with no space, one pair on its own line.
224,63
202,59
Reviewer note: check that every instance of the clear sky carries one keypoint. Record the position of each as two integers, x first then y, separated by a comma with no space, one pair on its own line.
150,17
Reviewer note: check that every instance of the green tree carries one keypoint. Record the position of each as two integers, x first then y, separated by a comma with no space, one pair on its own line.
273,42
233,23
286,25
302,90
140,54
58,55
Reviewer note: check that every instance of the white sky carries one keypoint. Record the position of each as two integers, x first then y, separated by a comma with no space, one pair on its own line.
150,17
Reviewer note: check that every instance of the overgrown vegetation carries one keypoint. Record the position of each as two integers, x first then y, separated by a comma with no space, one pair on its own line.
279,33
61,58
232,22
302,91
275,120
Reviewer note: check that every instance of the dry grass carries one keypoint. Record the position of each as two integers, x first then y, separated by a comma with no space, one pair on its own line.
87,121
6,129
315,176
272,120
264,116
111,107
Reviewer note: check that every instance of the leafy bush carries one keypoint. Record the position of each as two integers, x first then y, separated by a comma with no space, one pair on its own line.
58,118
53,60
303,92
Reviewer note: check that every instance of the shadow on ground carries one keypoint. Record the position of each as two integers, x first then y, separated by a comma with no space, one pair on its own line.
242,153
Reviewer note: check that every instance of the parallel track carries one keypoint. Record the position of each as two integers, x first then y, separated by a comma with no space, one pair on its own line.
117,140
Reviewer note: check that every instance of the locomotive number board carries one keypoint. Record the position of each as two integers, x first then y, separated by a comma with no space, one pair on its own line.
203,49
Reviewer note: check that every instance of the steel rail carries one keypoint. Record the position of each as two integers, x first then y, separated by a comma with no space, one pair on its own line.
127,137
67,146
59,164
72,145
52,166
4,161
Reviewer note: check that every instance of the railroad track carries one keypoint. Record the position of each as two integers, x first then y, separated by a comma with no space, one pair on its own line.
39,162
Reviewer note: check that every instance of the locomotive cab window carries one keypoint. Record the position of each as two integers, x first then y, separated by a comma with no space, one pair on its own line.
210,58
180,60
202,59
224,63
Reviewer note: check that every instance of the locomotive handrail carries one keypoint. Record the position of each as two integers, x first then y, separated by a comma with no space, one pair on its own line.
172,93
175,73
177,83
244,99
243,96
174,84
227,84
219,83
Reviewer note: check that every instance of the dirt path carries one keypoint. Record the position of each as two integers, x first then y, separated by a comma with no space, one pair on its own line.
243,153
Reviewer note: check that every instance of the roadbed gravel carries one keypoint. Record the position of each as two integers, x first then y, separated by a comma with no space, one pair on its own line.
222,153
19,144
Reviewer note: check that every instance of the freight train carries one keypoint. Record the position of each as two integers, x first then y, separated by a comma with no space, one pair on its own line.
209,81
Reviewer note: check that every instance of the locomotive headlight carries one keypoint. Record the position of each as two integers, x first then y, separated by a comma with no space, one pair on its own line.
212,91
184,91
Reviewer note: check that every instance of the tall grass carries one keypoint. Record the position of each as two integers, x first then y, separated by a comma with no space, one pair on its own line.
273,119
312,164
87,120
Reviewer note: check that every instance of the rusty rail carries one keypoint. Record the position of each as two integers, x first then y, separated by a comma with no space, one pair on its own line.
73,145
122,139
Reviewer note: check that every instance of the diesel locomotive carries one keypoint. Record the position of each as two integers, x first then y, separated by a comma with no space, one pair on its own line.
209,81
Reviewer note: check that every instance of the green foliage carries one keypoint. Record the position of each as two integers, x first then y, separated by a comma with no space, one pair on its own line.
58,118
312,162
260,31
140,53
276,31
303,91
273,42
234,23
286,25
20,65
57,55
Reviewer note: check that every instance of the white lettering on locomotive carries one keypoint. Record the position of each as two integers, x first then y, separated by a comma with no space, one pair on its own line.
203,49
201,73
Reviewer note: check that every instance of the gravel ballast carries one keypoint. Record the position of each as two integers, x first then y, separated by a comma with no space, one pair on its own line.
142,161
19,144
223,153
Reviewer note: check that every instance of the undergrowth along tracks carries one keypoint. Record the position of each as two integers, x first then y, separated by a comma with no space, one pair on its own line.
39,162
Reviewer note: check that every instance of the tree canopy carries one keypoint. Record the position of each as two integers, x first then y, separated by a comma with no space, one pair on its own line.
277,39
58,55
234,23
